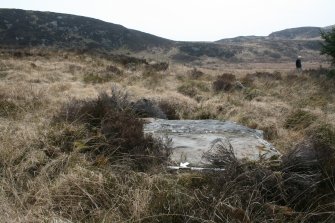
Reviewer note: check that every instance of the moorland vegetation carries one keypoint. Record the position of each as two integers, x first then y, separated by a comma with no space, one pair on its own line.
72,147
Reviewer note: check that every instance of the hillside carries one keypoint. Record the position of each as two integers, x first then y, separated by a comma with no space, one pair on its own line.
29,29
301,33
22,28
282,45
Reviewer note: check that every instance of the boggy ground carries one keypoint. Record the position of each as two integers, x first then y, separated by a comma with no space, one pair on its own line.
72,147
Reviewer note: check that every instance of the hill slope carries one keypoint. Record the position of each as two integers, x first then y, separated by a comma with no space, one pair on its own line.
278,46
300,33
20,28
33,28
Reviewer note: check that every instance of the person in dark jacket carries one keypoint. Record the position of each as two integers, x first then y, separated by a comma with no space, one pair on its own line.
298,64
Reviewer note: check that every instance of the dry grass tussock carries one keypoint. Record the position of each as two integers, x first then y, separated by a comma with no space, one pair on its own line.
72,149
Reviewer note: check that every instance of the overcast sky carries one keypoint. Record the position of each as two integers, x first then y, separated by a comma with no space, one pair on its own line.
195,20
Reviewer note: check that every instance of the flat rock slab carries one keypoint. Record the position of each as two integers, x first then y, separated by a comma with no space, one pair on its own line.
192,138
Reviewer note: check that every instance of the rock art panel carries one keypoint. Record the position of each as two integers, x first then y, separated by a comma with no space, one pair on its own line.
192,138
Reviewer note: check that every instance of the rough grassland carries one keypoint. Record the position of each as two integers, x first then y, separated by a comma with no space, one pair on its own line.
71,147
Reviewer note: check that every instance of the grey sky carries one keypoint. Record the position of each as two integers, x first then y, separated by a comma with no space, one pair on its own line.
195,20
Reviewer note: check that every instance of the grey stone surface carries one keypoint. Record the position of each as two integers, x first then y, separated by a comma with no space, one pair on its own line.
192,138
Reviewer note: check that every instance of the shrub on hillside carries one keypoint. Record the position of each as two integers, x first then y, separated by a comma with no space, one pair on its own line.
310,171
169,109
92,112
322,137
328,44
221,154
176,108
114,131
224,82
146,108
291,188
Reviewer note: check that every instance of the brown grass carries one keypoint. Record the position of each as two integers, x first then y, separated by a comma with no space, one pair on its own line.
73,150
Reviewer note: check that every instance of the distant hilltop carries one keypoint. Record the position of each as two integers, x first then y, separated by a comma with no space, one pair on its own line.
301,33
34,28
27,29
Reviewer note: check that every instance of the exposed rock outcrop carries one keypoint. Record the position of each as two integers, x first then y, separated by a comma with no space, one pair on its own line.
193,138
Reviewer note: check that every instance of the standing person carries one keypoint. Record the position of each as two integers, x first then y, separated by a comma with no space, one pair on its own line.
298,64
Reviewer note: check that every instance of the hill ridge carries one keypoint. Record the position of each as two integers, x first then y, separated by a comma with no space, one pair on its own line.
32,28
26,28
